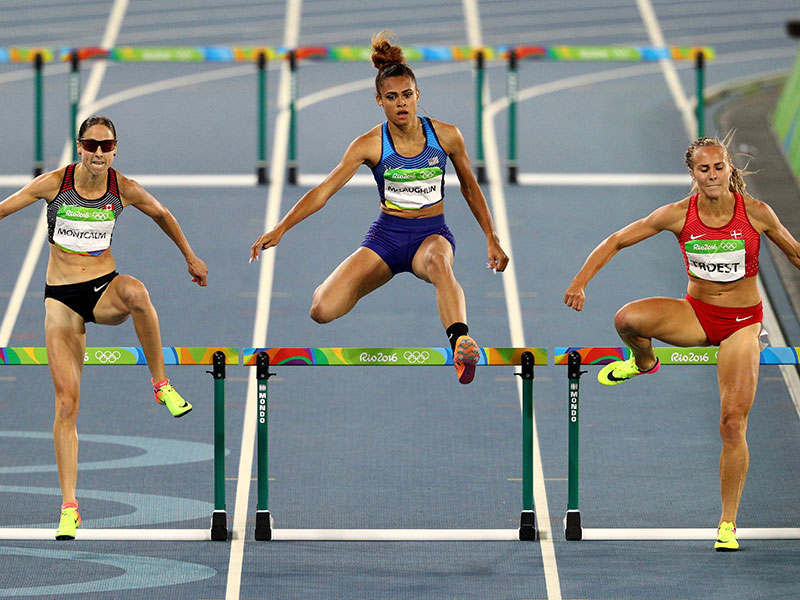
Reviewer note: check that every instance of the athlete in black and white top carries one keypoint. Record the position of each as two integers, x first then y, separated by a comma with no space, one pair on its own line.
84,201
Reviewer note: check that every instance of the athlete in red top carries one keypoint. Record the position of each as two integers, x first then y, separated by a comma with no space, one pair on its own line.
718,229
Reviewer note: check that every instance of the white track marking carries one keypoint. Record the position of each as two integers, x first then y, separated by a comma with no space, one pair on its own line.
265,278
498,203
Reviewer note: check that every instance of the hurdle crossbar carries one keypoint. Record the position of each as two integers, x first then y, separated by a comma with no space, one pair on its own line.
218,357
263,358
574,357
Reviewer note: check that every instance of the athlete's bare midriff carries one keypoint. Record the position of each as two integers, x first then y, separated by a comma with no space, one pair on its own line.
65,267
743,292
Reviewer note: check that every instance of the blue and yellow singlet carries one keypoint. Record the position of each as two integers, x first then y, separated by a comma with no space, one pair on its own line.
411,183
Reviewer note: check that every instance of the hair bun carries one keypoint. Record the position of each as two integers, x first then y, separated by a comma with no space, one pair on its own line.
384,53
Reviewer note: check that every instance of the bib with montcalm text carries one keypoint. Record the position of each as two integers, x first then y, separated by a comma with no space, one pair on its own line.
83,230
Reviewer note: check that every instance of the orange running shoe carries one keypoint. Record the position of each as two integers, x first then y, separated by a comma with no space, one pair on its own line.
465,357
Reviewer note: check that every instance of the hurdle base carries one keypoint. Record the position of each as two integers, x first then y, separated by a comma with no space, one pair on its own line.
219,526
572,525
527,526
263,526
512,174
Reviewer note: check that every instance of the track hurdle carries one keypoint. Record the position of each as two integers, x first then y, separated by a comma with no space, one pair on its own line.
574,357
218,357
514,54
263,358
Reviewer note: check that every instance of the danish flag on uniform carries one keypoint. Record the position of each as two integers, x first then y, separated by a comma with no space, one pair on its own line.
736,234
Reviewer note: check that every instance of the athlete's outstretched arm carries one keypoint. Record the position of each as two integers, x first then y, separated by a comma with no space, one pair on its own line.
669,217
453,144
44,186
357,153
133,194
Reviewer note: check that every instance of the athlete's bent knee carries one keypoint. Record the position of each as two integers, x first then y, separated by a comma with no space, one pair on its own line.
320,311
137,297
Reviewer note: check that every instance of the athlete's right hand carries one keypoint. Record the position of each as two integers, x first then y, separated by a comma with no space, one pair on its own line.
268,240
574,297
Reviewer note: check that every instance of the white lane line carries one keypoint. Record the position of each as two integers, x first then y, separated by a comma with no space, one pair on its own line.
605,179
265,278
500,216
38,238
668,67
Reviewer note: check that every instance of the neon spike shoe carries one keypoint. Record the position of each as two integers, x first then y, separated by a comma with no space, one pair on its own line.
726,538
166,394
465,357
69,523
622,370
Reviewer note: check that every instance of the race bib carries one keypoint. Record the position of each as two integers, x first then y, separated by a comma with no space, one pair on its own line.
716,260
412,189
83,230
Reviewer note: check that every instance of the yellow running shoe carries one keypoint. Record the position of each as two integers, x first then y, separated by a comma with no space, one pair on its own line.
166,394
726,538
622,370
465,358
69,523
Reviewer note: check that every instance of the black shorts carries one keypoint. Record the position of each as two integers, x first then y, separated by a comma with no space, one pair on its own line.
81,297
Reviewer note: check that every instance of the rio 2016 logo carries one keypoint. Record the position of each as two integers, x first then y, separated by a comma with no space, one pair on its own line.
691,357
380,357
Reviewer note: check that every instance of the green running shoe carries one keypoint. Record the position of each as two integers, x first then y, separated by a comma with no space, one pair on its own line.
726,538
67,526
622,370
166,394
465,358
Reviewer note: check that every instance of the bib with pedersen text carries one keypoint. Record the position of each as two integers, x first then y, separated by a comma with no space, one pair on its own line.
412,189
83,230
716,260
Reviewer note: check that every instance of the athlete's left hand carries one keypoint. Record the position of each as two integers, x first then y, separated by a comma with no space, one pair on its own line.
498,260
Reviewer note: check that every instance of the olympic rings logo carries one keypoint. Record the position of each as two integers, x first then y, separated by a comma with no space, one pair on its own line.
107,356
728,246
415,356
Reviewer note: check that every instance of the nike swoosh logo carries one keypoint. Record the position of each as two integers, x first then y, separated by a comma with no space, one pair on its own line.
611,377
740,319
694,237
97,289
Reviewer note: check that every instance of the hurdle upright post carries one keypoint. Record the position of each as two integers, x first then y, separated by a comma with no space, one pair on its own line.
700,76
263,518
38,154
527,522
219,518
261,164
512,115
292,174
74,99
480,164
572,520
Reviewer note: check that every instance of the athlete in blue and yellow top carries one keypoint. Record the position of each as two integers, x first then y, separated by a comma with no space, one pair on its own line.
408,157
84,201
719,230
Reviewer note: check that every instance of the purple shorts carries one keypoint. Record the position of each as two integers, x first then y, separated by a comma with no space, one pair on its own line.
396,240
